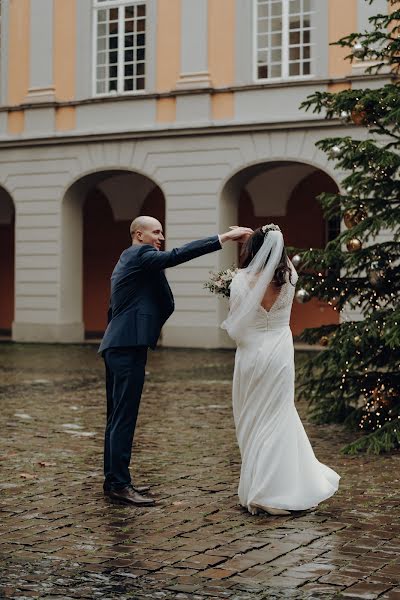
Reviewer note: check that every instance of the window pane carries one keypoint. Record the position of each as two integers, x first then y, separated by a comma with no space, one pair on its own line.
140,25
102,43
276,9
113,57
113,14
101,72
128,55
101,16
294,53
113,72
276,71
276,55
129,12
128,71
141,10
129,26
263,72
129,41
113,85
306,68
263,10
128,85
140,83
294,69
140,69
294,6
140,54
263,26
140,39
101,87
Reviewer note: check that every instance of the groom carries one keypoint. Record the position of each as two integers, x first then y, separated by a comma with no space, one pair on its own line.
141,302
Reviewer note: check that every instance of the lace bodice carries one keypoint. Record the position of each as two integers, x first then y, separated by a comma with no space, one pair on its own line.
279,314
286,294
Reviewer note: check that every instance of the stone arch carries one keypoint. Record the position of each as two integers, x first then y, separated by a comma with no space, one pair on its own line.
7,262
96,211
283,192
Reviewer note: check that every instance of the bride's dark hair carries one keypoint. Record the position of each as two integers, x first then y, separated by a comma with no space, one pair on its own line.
250,249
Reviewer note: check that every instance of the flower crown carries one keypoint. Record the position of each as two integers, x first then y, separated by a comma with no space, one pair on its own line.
270,227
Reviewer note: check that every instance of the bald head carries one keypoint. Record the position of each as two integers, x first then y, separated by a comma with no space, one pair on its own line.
146,230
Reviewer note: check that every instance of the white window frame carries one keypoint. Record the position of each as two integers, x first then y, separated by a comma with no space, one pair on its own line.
285,48
102,4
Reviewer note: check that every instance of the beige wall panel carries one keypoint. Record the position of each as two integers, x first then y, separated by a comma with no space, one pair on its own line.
36,289
37,247
43,207
221,42
16,122
18,48
168,44
223,106
199,215
33,316
166,110
41,234
65,44
342,21
65,118
38,220
334,88
36,262
36,276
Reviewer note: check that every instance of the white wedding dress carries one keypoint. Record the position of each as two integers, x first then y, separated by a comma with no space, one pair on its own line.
279,468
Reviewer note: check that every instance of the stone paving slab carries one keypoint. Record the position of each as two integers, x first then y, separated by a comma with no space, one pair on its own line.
61,539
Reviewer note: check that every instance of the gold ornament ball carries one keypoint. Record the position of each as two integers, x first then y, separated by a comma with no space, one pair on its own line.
354,245
354,217
324,341
357,340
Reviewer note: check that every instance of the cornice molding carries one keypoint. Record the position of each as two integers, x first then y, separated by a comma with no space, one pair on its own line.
312,82
171,132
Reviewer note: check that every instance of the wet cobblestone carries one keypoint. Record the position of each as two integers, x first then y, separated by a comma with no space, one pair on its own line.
61,539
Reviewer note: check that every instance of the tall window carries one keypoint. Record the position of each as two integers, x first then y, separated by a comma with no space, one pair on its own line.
283,38
120,46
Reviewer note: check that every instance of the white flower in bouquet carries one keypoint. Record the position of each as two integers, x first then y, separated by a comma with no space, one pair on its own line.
219,283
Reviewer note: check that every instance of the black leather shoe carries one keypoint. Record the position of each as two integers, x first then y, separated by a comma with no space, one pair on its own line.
140,489
129,495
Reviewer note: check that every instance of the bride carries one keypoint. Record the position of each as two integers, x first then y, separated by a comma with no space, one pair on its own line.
279,471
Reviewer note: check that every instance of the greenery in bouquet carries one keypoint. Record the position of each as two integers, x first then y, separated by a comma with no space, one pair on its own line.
219,283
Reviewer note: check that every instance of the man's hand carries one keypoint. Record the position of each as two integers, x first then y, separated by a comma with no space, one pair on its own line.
237,234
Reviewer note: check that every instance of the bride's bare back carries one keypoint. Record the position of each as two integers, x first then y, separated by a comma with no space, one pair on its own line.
271,295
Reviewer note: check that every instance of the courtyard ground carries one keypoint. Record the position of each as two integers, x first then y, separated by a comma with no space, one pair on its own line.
60,538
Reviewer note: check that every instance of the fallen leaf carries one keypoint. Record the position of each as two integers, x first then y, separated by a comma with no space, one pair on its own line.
27,476
43,463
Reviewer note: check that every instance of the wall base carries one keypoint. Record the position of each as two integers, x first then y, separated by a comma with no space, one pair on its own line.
48,333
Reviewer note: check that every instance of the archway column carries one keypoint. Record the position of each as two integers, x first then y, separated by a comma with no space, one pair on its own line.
46,309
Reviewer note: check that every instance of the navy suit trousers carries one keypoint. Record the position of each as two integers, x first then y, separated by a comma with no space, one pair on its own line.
125,372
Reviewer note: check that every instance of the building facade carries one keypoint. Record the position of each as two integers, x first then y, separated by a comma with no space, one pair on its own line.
184,109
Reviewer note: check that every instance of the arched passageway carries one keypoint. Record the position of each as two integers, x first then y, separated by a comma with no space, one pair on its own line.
7,262
98,210
285,193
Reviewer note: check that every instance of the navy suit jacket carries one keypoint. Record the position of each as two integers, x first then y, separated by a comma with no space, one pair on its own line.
141,299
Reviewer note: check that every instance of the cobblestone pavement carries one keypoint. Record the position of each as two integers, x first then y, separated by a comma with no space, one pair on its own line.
61,539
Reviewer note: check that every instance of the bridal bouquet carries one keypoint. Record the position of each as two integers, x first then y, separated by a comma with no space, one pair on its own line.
219,282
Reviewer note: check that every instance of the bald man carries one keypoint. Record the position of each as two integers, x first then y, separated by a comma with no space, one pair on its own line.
141,302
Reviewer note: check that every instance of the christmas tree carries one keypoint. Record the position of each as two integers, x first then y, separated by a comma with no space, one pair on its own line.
356,378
